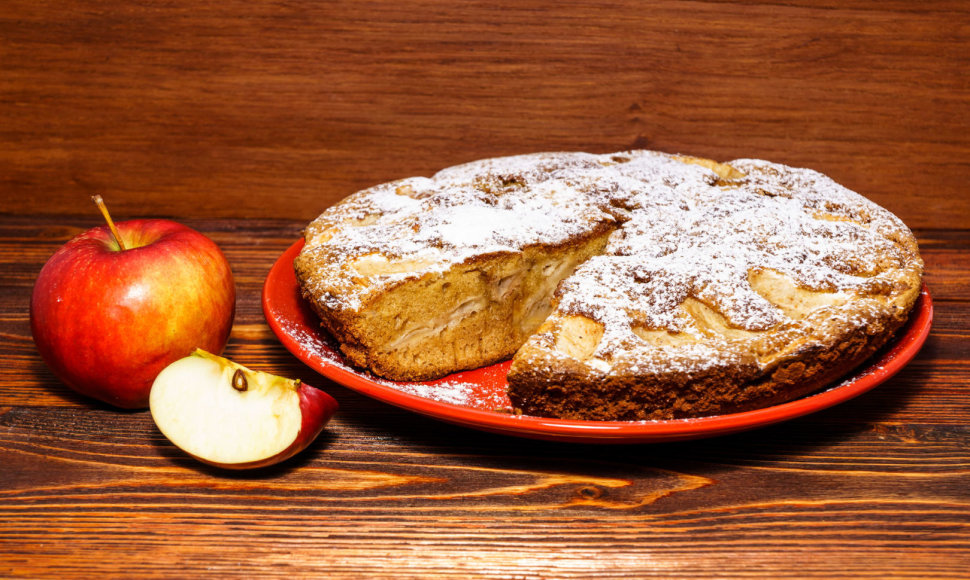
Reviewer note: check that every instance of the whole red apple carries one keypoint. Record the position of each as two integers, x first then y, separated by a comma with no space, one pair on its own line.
108,314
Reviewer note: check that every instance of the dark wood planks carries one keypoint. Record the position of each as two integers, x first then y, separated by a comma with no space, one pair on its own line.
238,109
456,502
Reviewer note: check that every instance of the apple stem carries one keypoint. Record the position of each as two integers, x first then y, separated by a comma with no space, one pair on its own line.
107,217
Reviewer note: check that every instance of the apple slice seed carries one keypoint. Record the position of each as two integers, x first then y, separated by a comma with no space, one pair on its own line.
239,381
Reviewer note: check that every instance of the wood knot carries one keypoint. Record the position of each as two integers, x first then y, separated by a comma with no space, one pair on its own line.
589,492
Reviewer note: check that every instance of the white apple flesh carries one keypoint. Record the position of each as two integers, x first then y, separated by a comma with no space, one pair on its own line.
227,415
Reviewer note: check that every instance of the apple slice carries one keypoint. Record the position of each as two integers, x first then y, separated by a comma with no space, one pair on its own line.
226,415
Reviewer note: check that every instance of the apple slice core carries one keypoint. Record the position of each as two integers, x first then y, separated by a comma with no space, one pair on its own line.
198,406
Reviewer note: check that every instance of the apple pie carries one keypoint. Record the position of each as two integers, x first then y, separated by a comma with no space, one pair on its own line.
629,286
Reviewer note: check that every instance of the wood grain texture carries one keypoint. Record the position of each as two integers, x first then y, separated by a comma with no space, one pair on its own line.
246,119
278,109
874,488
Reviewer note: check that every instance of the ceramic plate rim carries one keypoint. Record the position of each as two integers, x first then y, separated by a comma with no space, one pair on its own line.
890,360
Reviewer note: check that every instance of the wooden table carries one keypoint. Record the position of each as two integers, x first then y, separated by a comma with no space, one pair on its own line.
245,120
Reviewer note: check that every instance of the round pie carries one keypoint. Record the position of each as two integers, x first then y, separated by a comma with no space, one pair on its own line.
626,286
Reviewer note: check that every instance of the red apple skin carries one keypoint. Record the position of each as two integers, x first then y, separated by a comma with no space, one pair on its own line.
316,409
108,321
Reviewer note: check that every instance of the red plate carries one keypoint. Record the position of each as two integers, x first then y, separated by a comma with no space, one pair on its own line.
477,398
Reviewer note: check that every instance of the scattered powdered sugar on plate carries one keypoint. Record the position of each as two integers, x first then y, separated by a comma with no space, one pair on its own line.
465,394
474,394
